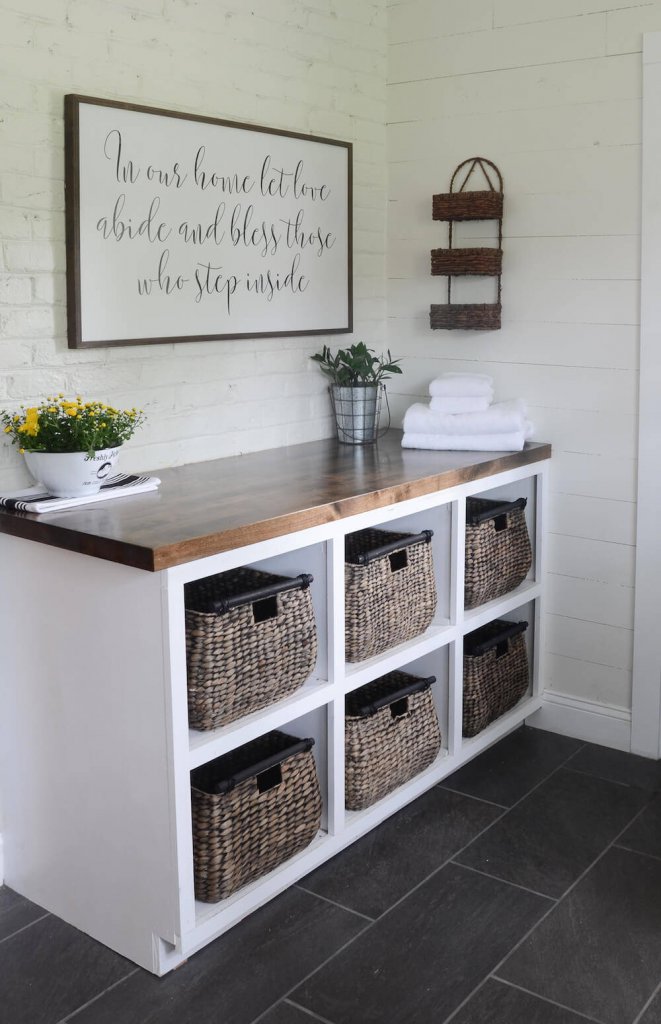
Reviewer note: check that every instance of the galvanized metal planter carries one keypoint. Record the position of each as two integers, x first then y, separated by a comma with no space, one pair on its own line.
357,412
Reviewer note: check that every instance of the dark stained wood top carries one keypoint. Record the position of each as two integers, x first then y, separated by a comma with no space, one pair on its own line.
207,507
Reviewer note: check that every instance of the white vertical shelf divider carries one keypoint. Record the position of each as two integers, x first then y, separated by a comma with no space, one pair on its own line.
336,674
541,511
455,653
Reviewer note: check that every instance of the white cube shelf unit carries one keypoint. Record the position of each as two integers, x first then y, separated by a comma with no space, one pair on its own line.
95,748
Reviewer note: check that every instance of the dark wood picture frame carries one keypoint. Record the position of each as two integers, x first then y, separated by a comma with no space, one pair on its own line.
98,291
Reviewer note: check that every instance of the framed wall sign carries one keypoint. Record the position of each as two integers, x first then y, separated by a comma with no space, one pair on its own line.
187,228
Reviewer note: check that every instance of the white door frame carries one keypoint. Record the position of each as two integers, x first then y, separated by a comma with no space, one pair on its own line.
646,694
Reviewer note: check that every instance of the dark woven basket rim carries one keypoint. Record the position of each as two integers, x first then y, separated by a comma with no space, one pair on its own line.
229,770
486,637
382,692
479,510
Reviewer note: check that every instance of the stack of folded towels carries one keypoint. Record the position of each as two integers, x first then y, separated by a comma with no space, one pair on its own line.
461,417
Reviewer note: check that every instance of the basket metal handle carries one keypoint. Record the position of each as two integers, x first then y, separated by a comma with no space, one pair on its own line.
404,692
497,509
394,545
226,604
478,649
265,765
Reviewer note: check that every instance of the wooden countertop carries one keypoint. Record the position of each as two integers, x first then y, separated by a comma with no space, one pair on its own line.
207,507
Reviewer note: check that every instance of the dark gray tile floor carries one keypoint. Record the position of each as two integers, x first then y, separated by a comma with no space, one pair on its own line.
525,889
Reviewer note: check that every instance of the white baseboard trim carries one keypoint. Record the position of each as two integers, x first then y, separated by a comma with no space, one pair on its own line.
605,724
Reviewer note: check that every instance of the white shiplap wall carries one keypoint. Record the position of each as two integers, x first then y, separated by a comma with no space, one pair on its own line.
551,92
313,66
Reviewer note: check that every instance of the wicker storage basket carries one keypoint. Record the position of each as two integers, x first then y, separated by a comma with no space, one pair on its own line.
466,261
251,639
478,205
495,672
390,590
252,809
498,551
471,316
391,734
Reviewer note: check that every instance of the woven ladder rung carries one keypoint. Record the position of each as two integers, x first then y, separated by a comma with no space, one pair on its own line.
460,262
465,316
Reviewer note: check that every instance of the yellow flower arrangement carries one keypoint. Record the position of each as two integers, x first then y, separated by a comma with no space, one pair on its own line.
70,425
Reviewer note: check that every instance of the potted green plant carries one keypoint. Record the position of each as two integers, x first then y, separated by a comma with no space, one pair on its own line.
357,378
70,446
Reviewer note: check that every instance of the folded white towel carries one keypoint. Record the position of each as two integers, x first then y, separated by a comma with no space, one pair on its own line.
512,442
500,418
450,403
462,384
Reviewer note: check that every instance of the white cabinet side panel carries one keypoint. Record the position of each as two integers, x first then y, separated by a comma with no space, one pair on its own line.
83,753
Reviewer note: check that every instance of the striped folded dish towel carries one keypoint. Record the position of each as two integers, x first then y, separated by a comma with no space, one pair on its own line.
35,499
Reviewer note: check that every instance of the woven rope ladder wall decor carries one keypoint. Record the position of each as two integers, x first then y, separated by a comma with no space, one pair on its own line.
460,204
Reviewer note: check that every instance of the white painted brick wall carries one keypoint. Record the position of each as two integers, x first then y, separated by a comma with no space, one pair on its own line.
314,66
552,93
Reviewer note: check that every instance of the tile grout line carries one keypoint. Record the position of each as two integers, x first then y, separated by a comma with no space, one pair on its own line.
478,835
25,927
285,996
371,924
546,914
312,1014
545,999
334,903
647,1005
506,881
470,796
291,1003
614,782
641,853
571,888
74,1013
440,867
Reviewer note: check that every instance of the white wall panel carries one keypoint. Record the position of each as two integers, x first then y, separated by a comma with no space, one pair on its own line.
588,680
609,604
587,559
440,55
552,94
594,518
593,79
589,641
515,12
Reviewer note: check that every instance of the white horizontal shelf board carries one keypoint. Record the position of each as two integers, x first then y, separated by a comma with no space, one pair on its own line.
476,744
212,919
437,635
357,823
475,617
204,746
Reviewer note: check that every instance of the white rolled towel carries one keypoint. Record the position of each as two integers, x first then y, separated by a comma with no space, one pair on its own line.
451,403
461,384
500,418
511,442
